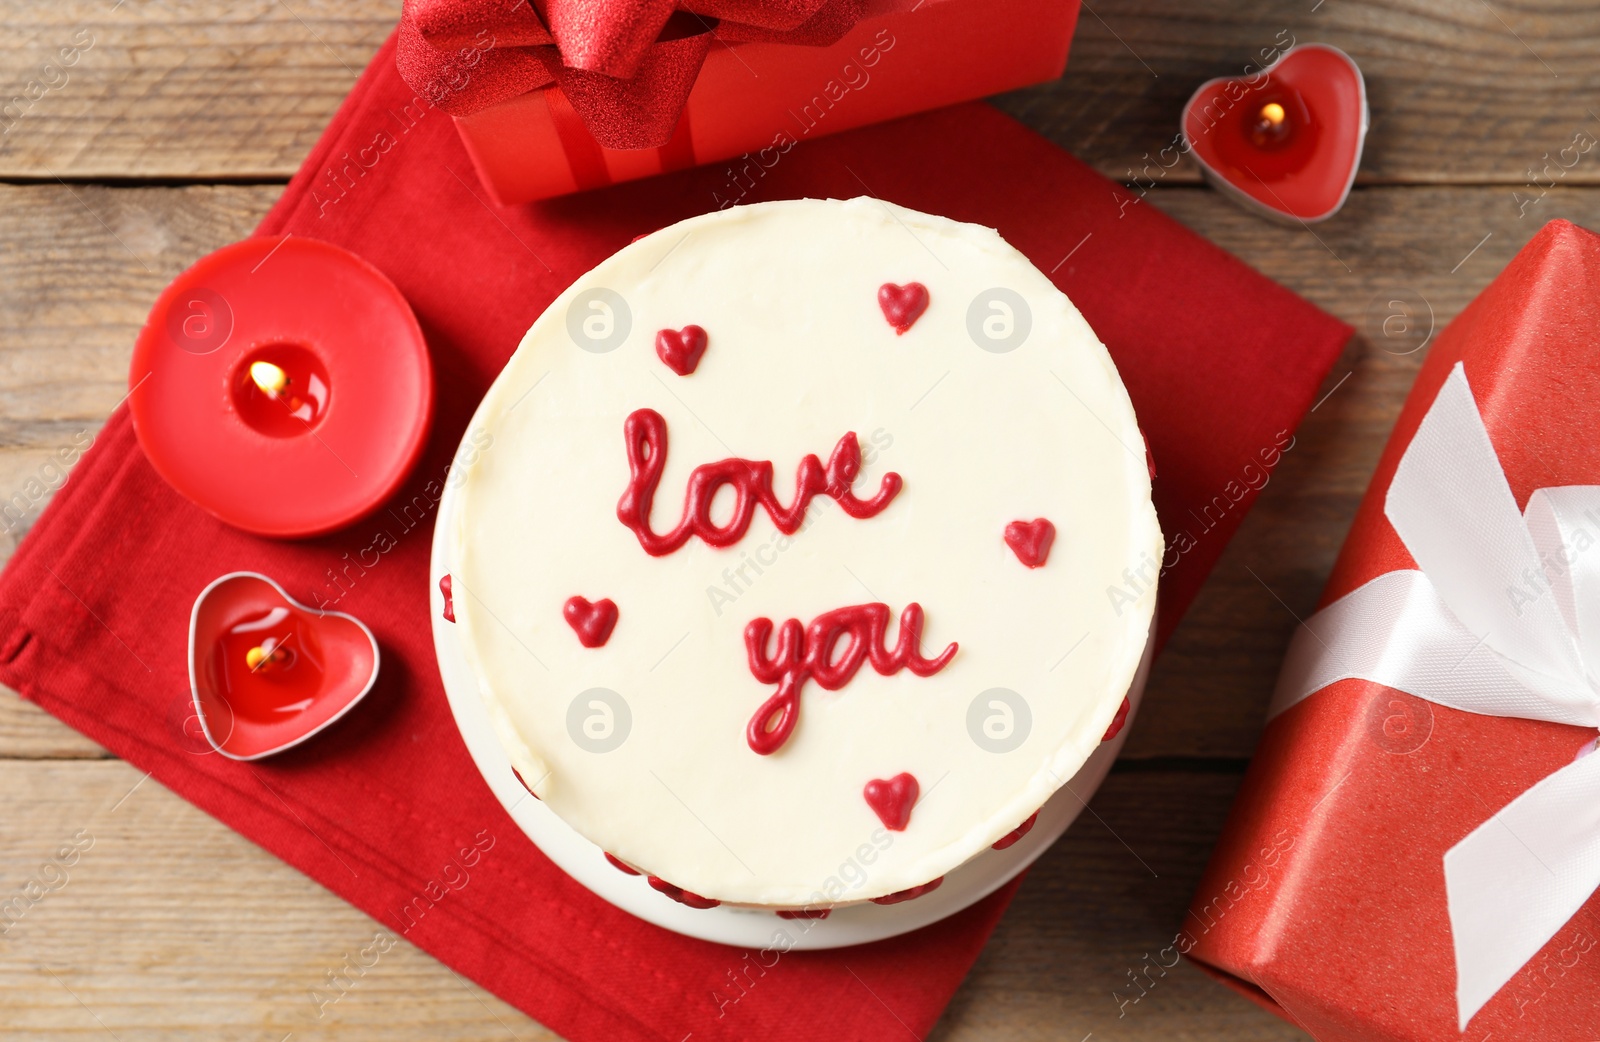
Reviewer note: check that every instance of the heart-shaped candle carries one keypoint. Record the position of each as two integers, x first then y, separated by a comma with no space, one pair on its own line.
266,672
1286,141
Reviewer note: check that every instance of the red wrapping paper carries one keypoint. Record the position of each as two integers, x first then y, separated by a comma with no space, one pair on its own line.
756,100
386,808
1325,900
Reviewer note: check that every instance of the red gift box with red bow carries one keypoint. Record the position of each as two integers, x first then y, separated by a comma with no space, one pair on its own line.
565,95
1415,851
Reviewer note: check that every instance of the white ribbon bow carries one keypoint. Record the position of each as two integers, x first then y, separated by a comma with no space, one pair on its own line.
1502,619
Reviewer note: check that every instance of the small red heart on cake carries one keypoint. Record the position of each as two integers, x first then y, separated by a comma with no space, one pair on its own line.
592,621
681,348
1286,141
1030,540
902,305
266,672
1119,720
892,800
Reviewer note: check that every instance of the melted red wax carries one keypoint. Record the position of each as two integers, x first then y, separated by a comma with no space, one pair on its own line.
646,435
810,653
285,682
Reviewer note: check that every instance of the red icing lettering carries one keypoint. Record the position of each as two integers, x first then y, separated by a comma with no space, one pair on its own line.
449,603
646,435
809,653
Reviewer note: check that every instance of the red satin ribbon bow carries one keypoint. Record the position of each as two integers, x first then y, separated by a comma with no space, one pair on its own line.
627,66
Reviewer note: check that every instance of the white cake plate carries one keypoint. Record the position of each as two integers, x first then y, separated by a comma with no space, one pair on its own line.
744,927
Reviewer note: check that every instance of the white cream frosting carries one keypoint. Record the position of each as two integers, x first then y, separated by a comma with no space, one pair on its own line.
799,353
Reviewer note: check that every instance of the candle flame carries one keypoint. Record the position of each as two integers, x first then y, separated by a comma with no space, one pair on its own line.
267,655
271,379
1272,113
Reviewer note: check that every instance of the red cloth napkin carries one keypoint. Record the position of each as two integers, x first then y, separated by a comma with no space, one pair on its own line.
386,807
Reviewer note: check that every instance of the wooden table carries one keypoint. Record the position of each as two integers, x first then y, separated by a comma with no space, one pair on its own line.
176,127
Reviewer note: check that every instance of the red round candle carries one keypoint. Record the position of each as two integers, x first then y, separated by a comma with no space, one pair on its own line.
283,385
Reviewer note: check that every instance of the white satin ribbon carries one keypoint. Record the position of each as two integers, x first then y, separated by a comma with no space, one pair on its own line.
1503,619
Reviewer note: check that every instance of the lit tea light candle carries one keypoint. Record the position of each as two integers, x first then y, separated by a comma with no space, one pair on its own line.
1272,126
267,672
283,385
268,656
1285,142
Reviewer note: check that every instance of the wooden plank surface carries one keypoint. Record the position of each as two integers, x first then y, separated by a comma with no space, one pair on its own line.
169,925
1461,90
169,133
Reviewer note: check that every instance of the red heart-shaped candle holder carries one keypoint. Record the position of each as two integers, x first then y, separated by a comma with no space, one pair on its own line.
1286,141
266,672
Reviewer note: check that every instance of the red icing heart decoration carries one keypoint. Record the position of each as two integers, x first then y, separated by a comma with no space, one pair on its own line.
681,349
1030,540
266,672
804,913
1119,720
621,865
893,799
679,894
449,602
524,783
1017,833
1286,141
909,895
902,305
592,621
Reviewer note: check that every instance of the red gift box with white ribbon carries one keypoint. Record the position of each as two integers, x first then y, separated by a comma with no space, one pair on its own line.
1415,852
567,95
